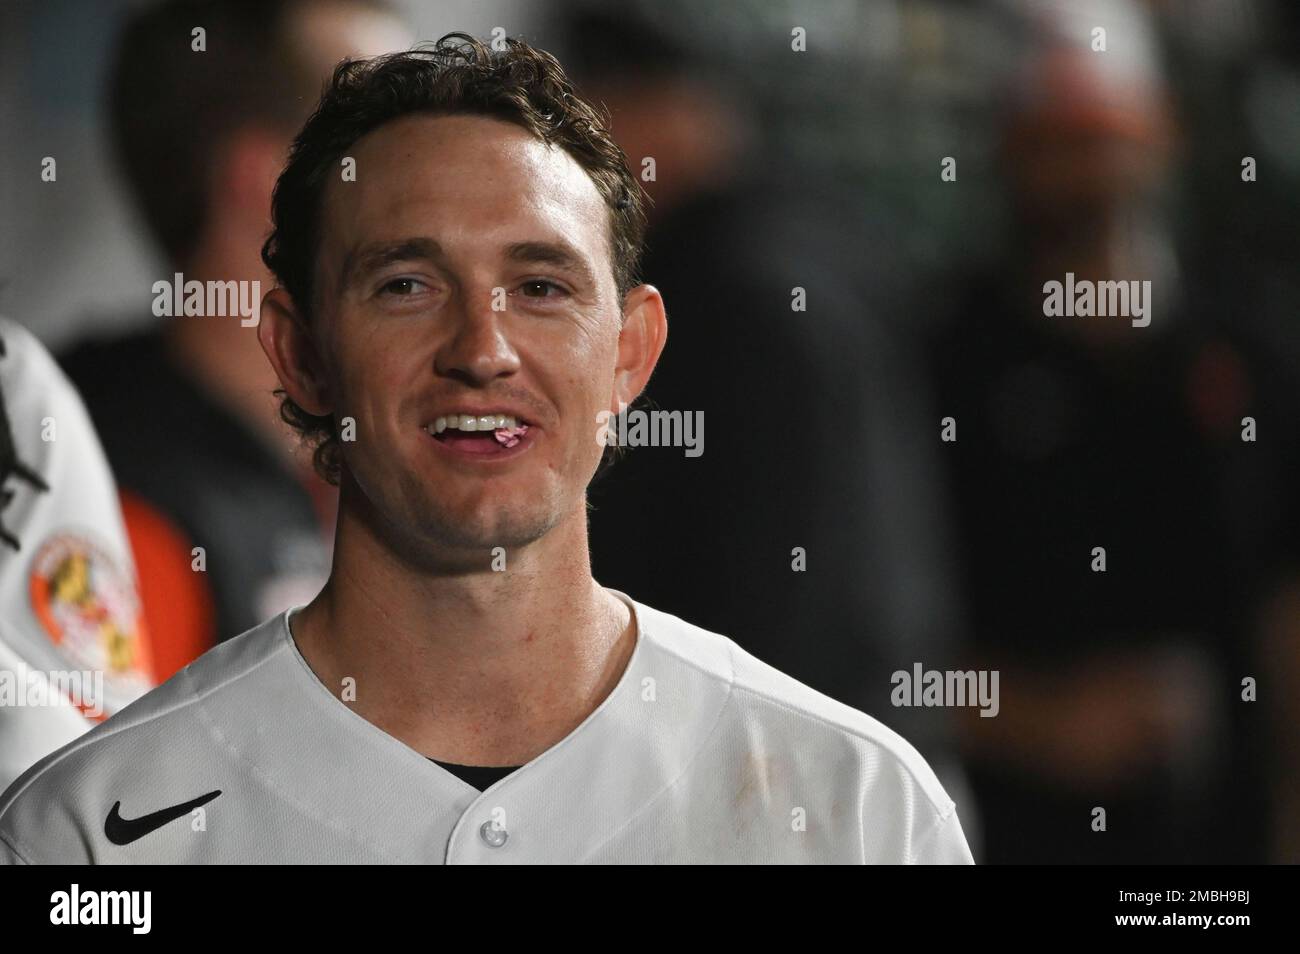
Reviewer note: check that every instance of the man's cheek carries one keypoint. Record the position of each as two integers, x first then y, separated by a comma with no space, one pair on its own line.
586,430
361,409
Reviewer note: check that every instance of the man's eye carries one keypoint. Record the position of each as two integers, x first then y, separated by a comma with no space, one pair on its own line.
400,287
538,287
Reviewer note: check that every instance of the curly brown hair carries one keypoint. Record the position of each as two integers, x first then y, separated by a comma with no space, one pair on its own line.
457,75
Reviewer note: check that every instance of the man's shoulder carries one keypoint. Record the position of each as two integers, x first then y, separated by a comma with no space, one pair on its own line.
170,720
782,708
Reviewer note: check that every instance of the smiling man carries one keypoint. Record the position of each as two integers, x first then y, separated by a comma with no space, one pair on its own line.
456,241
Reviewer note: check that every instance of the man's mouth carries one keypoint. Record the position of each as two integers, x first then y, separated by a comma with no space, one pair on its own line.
478,434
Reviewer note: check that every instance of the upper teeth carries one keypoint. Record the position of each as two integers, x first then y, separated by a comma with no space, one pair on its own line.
473,422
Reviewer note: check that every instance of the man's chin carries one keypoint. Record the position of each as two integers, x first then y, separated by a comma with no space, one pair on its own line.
436,533
477,535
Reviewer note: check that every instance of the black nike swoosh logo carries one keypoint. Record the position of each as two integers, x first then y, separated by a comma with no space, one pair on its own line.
123,831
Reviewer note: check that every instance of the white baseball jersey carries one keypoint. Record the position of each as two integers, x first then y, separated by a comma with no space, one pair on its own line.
72,647
701,753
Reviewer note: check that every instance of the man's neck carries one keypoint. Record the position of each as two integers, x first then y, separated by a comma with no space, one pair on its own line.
483,668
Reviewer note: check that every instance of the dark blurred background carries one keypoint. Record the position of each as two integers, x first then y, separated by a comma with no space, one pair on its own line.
775,170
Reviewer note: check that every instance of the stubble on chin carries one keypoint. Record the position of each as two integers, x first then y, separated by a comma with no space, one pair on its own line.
437,538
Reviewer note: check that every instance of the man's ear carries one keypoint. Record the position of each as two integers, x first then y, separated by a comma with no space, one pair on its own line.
640,342
293,354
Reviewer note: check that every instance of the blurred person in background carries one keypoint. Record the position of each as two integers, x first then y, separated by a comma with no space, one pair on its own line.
186,409
1237,66
74,648
813,440
1121,689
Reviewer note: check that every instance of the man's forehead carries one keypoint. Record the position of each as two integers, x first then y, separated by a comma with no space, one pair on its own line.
475,158
470,172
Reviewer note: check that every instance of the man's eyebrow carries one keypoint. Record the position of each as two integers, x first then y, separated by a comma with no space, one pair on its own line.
368,258
560,254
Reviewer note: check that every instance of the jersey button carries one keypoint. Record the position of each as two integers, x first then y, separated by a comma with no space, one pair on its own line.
493,835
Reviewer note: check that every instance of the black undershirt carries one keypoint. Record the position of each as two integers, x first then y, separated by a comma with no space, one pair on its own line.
481,777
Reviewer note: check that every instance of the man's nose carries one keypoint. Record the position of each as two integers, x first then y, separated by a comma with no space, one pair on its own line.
479,348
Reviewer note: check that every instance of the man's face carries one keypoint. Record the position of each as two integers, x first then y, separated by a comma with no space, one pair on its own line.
467,271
